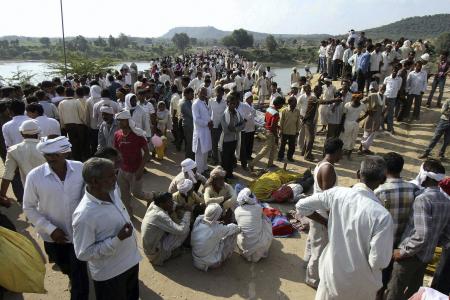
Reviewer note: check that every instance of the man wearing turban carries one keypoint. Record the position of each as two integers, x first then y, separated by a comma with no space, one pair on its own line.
52,193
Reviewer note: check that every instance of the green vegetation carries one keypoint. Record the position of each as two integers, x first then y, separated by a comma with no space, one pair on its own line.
115,48
413,28
238,38
80,65
181,40
443,42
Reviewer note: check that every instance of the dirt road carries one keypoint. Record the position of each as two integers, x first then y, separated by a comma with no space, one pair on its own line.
280,276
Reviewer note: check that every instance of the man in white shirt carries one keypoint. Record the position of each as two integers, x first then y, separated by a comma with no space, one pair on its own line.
196,83
416,85
212,242
393,84
358,250
274,92
338,56
23,156
52,193
201,139
302,104
322,57
217,107
248,82
10,129
174,109
165,76
248,113
376,59
49,126
388,57
95,96
105,100
103,234
347,68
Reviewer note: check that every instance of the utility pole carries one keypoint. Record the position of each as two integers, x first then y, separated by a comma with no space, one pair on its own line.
64,40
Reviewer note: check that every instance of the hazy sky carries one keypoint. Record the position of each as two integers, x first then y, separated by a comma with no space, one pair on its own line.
152,18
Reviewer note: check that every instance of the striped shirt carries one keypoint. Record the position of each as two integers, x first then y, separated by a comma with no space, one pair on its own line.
397,196
428,225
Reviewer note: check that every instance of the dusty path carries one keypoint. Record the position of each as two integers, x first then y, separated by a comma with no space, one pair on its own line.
281,276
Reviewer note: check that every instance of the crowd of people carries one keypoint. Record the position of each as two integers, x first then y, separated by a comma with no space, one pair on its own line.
75,152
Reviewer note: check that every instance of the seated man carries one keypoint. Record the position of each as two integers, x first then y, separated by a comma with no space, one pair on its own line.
218,191
187,196
188,171
212,242
256,236
161,236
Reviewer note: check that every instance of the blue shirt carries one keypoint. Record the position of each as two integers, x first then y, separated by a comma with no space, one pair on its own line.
362,62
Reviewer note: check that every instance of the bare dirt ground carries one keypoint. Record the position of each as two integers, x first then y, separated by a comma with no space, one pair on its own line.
281,276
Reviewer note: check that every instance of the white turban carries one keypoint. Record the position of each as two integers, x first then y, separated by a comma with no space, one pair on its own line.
30,127
246,196
422,176
127,100
212,213
248,95
60,144
185,186
295,85
187,166
425,57
96,91
107,109
126,115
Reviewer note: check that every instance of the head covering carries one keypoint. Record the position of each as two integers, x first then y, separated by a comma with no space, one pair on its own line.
425,57
294,69
187,166
295,85
422,176
445,186
248,95
407,44
107,109
60,144
212,213
95,92
127,100
328,79
357,96
30,127
217,172
373,85
126,115
184,186
246,197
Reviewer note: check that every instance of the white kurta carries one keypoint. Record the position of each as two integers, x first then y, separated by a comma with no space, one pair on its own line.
201,117
256,236
360,246
212,243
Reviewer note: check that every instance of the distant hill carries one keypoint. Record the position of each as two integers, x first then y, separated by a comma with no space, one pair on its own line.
412,28
210,33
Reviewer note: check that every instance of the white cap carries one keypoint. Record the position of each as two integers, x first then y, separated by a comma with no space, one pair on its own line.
248,95
30,127
425,57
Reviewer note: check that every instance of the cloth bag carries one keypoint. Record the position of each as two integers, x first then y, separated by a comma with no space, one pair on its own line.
22,269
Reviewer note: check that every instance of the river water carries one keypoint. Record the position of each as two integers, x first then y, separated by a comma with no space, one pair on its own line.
41,71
